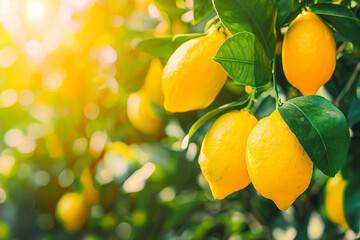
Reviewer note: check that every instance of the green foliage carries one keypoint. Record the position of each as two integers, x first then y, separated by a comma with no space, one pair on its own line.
310,118
202,8
342,19
284,7
255,16
244,59
163,47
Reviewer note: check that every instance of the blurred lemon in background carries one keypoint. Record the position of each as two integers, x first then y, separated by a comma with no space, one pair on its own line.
334,200
72,211
141,114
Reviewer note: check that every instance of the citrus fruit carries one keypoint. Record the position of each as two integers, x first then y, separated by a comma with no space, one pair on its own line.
72,211
141,114
152,83
191,79
222,156
308,53
334,200
278,166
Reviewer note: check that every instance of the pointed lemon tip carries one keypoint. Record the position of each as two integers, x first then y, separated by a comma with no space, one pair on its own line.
218,193
283,204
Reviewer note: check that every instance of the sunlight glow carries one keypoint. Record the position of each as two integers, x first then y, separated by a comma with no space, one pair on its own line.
7,57
35,10
33,48
9,97
136,181
13,137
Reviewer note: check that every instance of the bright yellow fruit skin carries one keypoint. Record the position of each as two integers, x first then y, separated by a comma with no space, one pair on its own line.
191,79
222,157
308,53
152,83
334,200
72,210
141,115
278,166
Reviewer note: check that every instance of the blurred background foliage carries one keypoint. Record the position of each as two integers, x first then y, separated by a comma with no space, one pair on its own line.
67,68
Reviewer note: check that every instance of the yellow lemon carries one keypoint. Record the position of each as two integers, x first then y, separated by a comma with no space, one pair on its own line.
334,200
152,83
278,166
72,210
141,114
222,157
191,79
308,53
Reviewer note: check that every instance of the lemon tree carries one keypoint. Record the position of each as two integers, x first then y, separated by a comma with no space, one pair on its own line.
179,119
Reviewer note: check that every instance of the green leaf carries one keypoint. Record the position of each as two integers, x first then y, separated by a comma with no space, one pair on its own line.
164,47
210,115
158,47
284,8
245,60
181,38
352,204
202,8
342,19
321,129
255,16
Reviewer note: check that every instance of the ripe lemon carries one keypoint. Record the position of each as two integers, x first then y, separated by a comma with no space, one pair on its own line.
334,200
141,115
278,166
222,156
191,79
152,83
72,211
308,53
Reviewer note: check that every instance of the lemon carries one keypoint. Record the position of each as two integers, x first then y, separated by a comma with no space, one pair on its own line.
222,156
152,83
72,211
191,79
308,53
334,200
141,114
278,166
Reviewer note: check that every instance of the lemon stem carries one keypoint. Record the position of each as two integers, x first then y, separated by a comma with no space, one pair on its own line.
252,100
278,101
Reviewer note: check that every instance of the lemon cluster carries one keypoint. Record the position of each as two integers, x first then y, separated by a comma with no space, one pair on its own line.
238,150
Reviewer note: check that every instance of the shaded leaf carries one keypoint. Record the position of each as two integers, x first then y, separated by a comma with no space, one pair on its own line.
202,8
245,60
284,8
321,129
255,16
342,19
